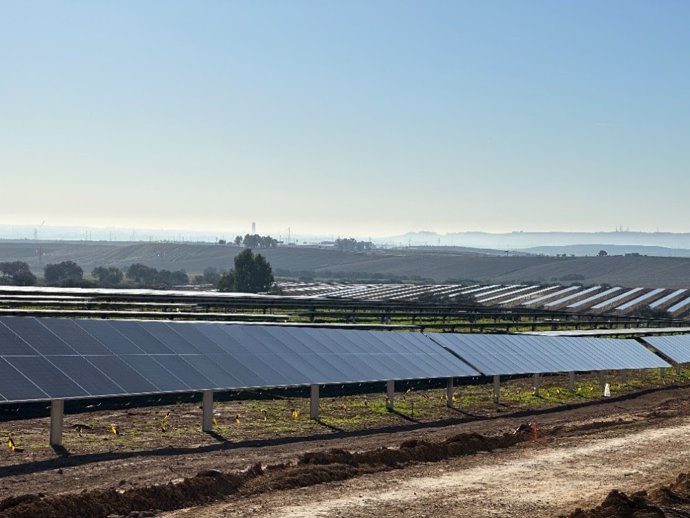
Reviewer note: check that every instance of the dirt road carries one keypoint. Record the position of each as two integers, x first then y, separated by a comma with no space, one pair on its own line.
545,478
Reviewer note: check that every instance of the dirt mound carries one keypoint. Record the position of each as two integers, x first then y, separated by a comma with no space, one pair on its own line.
311,469
618,504
415,451
667,501
197,490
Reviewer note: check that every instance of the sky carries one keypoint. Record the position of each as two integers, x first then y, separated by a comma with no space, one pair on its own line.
362,118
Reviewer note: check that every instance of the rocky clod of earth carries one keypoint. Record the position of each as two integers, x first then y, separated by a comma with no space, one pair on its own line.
672,501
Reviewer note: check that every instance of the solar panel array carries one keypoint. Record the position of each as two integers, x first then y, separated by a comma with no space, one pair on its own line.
598,298
51,358
676,347
518,354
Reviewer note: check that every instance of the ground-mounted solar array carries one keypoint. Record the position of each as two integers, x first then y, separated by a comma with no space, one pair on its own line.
51,358
597,299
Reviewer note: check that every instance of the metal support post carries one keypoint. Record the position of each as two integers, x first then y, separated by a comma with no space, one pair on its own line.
57,414
449,393
497,388
571,381
207,406
314,402
390,394
602,380
535,384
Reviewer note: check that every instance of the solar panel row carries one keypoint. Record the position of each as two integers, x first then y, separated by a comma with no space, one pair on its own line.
676,347
51,358
521,354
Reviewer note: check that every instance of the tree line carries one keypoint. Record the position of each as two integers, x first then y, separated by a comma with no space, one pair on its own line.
251,273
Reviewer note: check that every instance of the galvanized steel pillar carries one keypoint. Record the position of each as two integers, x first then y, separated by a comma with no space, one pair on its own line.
535,384
57,414
449,393
207,406
497,388
571,381
390,394
314,402
602,380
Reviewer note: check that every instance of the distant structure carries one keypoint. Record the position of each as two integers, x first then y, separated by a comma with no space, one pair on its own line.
253,228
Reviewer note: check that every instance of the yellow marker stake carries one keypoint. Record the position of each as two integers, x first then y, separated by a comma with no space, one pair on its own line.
114,429
10,442
165,422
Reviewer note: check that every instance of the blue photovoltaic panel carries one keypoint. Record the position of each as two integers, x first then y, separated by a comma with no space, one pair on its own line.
191,334
94,381
136,333
183,370
173,340
47,376
676,347
522,354
14,386
65,358
78,339
12,345
38,336
105,333
123,374
219,377
608,354
154,372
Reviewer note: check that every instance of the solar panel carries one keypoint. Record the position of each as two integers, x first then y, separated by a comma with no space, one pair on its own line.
11,344
570,297
591,299
641,298
104,332
126,377
516,354
137,334
81,341
94,381
14,386
676,347
47,376
58,359
667,298
36,335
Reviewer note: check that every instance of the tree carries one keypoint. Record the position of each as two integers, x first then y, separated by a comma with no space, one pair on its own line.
141,274
238,240
257,241
352,245
110,276
148,277
16,273
602,253
66,273
251,274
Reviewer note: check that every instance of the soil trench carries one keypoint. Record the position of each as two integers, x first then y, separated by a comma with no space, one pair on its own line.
544,479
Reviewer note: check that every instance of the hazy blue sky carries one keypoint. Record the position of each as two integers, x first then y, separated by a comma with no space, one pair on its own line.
351,117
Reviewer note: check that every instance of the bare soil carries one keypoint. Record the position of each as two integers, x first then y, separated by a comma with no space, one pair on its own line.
445,463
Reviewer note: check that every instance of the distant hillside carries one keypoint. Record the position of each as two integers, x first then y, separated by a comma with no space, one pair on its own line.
590,250
522,240
327,263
